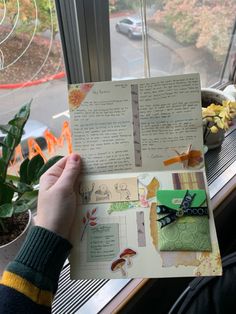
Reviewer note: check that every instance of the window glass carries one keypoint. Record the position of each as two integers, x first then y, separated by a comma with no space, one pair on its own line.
31,67
183,37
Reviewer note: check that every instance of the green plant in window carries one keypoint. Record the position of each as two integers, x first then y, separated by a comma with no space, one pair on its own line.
18,193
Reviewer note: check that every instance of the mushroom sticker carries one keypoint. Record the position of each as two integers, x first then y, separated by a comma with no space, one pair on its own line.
128,254
118,265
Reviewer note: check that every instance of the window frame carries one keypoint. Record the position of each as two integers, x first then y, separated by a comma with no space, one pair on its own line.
84,28
85,36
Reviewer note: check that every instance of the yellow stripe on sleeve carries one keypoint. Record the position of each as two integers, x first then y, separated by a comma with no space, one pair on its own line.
39,296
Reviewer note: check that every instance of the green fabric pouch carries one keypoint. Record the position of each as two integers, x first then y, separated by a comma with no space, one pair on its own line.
183,226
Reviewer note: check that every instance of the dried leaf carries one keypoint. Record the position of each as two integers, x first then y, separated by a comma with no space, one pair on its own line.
94,211
92,218
92,223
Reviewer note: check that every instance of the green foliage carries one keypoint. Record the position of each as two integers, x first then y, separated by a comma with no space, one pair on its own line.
46,166
14,131
205,24
46,15
17,194
123,5
48,18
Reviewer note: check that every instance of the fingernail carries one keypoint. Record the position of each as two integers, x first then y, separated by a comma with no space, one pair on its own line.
74,157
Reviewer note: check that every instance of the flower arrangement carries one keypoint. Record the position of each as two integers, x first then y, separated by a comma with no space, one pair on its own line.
218,118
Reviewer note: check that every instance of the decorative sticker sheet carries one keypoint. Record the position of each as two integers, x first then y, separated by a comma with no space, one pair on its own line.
109,190
118,239
144,208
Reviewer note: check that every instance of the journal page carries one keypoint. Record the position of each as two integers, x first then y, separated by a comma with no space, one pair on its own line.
138,125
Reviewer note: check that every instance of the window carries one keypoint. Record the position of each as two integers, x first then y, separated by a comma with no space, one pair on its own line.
127,21
181,37
31,67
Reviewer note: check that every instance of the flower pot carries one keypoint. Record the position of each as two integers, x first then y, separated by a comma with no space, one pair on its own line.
9,250
213,95
214,140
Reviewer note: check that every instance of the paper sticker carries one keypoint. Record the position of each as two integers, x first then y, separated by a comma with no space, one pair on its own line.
77,94
136,125
170,259
103,243
89,220
108,191
123,261
192,181
153,224
189,158
141,229
121,206
152,188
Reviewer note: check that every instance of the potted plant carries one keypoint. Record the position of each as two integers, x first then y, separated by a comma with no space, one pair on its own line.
17,193
217,118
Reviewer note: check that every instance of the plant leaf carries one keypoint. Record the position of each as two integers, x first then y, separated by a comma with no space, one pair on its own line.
48,165
6,210
23,171
24,187
13,178
2,144
6,193
5,128
13,137
2,169
33,168
93,223
8,147
92,218
21,207
94,210
24,204
30,195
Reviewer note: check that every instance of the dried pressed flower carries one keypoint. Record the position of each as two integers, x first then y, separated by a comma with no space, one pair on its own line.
76,96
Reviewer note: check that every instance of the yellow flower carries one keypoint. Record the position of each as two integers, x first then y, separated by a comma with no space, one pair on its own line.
219,116
213,129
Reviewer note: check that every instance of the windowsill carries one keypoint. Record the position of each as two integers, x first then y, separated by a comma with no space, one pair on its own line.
110,296
222,191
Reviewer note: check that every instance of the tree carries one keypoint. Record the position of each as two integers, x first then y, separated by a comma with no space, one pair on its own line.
205,24
26,14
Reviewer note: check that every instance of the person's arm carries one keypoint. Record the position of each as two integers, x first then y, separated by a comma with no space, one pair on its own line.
30,281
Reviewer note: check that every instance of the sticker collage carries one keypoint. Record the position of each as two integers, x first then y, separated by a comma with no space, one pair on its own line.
144,208
139,226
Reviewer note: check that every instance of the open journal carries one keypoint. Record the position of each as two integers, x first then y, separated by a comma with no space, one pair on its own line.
144,209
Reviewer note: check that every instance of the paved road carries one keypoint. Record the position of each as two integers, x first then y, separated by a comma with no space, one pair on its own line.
50,98
128,58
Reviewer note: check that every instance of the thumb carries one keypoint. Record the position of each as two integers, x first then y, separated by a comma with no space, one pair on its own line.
70,172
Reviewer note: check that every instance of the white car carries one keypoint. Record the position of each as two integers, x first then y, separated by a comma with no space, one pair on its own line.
131,26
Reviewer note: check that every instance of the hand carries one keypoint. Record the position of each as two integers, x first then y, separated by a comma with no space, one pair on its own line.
57,196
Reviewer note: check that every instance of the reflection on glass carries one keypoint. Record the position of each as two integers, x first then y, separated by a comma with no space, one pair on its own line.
183,37
31,64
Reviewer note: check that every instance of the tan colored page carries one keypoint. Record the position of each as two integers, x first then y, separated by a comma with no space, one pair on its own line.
136,125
